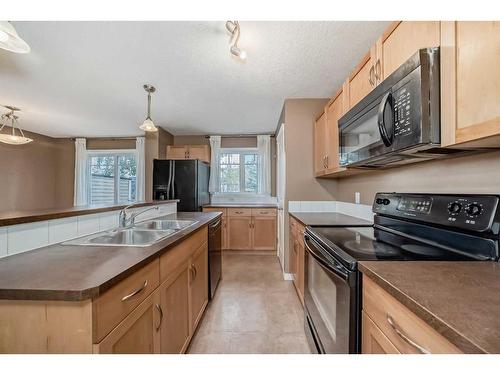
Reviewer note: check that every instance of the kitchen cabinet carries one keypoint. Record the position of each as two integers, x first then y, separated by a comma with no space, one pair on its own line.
334,111
400,41
373,341
239,232
251,229
174,296
156,309
470,81
201,152
320,146
400,329
138,333
297,259
198,285
363,79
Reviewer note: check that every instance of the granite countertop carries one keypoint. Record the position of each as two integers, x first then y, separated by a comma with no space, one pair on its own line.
460,300
243,205
73,273
21,217
329,219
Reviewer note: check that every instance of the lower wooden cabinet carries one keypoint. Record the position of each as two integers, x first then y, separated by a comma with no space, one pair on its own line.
198,285
297,256
264,232
174,297
138,333
398,326
239,232
373,340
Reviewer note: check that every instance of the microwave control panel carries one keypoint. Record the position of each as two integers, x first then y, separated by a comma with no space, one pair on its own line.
479,213
402,112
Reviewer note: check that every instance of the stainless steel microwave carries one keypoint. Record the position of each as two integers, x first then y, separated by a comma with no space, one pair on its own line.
399,121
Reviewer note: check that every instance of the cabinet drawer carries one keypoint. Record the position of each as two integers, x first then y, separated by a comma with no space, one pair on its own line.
216,209
113,306
180,253
263,212
239,212
406,331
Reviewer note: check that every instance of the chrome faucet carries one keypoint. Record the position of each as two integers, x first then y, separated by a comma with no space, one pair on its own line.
127,222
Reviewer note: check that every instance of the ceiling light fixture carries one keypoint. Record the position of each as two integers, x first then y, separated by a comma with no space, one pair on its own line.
233,27
12,139
148,124
10,40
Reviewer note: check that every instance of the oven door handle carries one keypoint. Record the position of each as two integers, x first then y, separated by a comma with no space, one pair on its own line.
330,264
386,137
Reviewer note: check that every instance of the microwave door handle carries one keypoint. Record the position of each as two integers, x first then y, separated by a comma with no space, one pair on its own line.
384,134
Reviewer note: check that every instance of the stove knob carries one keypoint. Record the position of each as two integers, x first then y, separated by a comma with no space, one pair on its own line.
473,209
454,208
386,201
380,201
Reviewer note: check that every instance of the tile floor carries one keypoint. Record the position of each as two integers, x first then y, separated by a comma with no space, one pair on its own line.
254,310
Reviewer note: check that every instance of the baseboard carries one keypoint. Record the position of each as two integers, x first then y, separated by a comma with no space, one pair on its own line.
287,276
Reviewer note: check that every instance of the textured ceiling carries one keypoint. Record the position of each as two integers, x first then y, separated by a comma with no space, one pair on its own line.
85,78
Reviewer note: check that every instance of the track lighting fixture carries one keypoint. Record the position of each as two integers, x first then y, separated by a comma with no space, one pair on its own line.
233,27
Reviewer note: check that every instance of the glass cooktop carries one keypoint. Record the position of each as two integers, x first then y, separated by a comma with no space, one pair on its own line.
350,245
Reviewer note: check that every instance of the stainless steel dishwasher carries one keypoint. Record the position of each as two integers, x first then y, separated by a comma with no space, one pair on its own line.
214,256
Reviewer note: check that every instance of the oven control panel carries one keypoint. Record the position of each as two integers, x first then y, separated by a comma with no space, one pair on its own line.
479,213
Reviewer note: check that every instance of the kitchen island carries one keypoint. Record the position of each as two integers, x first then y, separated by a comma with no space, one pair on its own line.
107,299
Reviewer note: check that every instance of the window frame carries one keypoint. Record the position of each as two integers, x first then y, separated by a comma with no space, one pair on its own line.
241,151
116,154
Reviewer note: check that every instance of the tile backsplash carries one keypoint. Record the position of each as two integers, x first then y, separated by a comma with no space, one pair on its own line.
19,238
362,211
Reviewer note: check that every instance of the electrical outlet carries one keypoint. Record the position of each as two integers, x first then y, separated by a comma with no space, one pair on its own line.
357,197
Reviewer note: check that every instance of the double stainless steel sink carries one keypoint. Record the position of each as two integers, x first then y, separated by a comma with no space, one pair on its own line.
142,234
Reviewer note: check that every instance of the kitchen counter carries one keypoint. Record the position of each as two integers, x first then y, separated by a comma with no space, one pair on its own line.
460,300
21,217
328,219
248,205
74,273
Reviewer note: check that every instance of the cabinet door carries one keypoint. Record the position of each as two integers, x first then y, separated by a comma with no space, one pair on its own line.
320,145
198,285
138,333
478,80
300,267
239,232
402,40
362,80
373,340
201,152
264,232
174,297
334,112
177,152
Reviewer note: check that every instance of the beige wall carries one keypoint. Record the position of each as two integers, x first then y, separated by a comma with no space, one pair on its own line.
37,175
469,174
110,143
299,117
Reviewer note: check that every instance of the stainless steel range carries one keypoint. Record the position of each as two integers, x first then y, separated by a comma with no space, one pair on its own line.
413,227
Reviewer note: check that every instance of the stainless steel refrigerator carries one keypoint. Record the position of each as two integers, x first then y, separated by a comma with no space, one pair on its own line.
186,180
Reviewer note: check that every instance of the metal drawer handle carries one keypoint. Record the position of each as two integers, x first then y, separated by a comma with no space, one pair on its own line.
238,212
371,72
264,212
194,271
158,307
136,292
378,70
404,337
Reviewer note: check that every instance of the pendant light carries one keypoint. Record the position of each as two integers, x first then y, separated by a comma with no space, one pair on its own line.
10,40
12,139
148,124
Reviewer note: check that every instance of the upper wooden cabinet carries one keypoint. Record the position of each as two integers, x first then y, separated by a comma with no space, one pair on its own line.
320,146
362,80
400,41
470,82
201,152
334,110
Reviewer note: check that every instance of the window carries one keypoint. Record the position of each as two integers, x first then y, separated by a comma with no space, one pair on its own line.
238,172
112,177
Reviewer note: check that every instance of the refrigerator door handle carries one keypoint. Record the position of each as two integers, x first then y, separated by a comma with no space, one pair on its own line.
173,179
169,178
